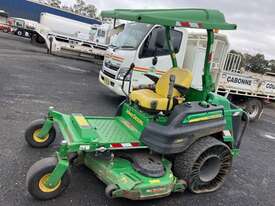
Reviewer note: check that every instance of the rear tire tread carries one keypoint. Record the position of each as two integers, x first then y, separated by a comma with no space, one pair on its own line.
184,162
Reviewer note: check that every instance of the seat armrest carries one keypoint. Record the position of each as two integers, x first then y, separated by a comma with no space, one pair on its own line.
152,77
181,89
145,86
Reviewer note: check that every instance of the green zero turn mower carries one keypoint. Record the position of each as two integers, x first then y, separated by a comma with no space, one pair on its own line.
163,139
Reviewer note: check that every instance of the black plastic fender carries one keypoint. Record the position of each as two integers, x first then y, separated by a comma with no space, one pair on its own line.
175,137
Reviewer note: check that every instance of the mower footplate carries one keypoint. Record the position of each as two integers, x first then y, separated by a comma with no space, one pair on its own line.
93,133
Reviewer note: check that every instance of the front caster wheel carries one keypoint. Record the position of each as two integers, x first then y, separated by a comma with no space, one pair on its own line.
109,190
37,176
31,135
204,165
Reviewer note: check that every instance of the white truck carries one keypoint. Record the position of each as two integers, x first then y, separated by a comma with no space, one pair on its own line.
247,89
144,45
22,27
68,37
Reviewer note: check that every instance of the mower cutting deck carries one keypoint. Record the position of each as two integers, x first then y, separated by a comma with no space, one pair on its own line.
163,139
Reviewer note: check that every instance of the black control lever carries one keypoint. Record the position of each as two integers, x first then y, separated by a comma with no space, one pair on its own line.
172,81
129,71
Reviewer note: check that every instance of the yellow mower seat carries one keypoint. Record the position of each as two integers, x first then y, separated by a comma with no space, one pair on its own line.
158,99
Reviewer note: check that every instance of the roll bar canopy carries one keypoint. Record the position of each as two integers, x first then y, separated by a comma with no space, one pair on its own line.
191,18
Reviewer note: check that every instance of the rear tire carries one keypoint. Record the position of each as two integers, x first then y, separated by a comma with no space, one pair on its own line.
204,165
38,174
254,108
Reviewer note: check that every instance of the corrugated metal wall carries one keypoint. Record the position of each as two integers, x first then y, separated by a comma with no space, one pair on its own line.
30,10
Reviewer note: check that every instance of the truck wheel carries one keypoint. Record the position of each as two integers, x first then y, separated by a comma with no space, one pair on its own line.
204,165
38,175
19,33
31,135
40,39
5,30
254,108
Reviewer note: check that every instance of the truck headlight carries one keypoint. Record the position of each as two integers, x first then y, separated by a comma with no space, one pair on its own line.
122,72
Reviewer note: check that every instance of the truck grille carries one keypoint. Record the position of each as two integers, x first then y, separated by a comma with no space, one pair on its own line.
111,66
109,74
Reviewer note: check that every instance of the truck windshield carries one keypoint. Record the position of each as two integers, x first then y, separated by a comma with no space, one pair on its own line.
131,36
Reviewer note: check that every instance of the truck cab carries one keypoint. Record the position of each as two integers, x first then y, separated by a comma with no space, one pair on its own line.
144,45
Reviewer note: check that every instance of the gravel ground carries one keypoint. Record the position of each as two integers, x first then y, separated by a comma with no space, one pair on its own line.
31,81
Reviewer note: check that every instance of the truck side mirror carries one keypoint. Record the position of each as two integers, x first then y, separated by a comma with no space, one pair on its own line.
154,60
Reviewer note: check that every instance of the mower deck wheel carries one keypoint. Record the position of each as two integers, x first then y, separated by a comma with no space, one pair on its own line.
109,190
37,176
31,135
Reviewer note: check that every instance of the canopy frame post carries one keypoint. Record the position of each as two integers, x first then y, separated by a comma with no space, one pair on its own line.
207,78
170,46
114,23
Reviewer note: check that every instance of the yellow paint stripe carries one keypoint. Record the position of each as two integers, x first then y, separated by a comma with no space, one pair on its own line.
205,118
154,181
82,121
145,69
118,57
119,60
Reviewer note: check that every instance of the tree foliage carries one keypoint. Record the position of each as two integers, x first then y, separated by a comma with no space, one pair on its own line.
55,3
255,63
79,7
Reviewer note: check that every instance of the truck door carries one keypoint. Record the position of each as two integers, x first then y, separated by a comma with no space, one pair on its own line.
153,54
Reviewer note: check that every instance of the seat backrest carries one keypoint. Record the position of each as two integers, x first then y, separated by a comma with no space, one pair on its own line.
183,78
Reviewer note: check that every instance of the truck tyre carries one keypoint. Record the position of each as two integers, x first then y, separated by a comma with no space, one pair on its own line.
40,39
204,165
19,33
5,30
254,108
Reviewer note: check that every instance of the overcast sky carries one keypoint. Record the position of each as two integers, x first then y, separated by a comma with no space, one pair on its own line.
255,19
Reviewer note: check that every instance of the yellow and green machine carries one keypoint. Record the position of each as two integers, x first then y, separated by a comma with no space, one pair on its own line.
163,139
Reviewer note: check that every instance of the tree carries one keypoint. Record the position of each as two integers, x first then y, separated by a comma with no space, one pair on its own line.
90,10
55,3
256,63
67,8
80,7
272,65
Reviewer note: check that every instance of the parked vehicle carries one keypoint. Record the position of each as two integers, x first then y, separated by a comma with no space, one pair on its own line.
249,90
140,44
22,27
31,9
73,38
4,27
106,33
